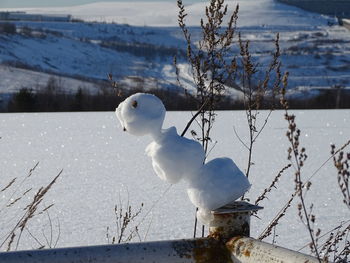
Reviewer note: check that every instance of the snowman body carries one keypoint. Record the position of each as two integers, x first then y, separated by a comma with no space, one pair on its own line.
216,184
175,157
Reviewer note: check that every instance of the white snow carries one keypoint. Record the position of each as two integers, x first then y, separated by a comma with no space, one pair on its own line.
13,79
252,13
217,183
141,114
175,157
315,53
211,185
100,161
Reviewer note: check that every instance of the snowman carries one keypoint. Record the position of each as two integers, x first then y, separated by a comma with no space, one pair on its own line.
174,158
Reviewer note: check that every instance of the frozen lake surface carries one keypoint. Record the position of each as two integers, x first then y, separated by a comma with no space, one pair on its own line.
102,163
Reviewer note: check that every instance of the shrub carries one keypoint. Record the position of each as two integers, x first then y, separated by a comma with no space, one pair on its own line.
23,101
8,28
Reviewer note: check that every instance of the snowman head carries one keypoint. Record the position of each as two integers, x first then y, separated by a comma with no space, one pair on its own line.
141,114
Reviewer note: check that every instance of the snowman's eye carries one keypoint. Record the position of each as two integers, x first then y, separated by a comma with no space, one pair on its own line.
134,104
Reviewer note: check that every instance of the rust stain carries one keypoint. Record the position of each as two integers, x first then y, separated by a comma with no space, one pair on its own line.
241,243
215,235
213,251
246,253
204,251
239,247
234,245
235,239
225,215
216,232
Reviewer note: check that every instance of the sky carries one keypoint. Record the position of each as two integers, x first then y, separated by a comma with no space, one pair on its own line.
53,3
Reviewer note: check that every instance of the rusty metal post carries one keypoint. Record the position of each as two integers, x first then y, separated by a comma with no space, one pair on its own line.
232,220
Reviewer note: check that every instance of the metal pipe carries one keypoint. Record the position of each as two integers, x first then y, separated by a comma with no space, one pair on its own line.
192,250
229,221
204,250
249,250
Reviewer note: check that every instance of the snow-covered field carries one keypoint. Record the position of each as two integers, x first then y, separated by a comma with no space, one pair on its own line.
316,54
102,163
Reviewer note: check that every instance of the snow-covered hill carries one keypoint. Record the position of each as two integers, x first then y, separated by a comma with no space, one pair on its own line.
12,79
140,53
164,13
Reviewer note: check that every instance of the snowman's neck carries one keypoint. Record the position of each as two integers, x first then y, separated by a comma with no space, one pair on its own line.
156,135
164,134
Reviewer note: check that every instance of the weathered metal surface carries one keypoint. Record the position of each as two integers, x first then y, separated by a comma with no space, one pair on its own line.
236,207
229,221
232,220
249,250
204,250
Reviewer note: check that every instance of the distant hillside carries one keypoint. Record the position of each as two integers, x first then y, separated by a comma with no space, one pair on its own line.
314,49
338,8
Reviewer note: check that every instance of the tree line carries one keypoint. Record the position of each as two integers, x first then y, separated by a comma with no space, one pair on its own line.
52,98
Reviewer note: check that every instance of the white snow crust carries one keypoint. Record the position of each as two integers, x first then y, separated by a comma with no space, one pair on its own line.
102,165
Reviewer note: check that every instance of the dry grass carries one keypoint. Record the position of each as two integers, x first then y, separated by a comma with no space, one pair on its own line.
210,71
335,245
213,75
125,230
272,185
342,162
28,212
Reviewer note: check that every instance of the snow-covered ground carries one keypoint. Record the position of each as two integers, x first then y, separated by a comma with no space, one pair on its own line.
102,163
164,14
316,54
13,79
